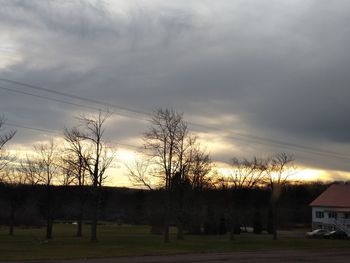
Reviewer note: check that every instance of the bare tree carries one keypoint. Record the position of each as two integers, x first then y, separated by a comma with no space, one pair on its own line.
15,196
43,167
140,174
192,178
247,173
67,177
198,167
48,168
5,158
75,171
244,174
164,144
278,171
91,133
5,137
174,161
30,169
199,176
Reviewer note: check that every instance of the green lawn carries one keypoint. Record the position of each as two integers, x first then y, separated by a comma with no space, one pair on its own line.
136,240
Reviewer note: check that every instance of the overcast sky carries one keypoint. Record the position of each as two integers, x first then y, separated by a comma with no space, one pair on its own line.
276,70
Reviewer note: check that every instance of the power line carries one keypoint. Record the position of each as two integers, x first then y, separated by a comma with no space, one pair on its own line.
32,128
269,142
327,154
48,98
64,101
305,149
58,133
234,135
106,104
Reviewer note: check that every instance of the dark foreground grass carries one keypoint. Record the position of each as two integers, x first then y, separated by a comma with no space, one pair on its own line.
135,241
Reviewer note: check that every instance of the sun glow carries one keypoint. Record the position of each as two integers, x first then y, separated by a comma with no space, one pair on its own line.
309,175
301,174
126,155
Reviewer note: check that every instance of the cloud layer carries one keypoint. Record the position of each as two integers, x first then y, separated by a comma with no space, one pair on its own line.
273,69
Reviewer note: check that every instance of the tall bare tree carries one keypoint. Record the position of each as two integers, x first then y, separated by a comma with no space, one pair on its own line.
169,144
278,171
15,196
197,169
43,167
75,170
91,133
193,176
243,174
48,167
164,144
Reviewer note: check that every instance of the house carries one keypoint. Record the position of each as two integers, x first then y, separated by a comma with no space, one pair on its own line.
331,210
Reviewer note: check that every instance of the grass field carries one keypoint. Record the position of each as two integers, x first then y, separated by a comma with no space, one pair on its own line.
135,240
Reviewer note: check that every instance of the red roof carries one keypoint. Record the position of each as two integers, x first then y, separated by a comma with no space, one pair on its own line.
337,195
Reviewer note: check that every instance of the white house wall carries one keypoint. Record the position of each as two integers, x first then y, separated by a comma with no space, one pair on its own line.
324,220
327,221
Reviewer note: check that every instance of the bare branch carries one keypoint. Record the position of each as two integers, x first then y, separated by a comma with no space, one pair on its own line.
4,138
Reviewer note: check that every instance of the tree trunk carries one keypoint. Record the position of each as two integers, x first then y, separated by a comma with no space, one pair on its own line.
49,221
180,218
12,220
49,224
274,219
180,233
94,230
166,232
232,230
232,222
80,217
80,225
95,215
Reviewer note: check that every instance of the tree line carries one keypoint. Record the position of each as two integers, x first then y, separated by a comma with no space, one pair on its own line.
176,168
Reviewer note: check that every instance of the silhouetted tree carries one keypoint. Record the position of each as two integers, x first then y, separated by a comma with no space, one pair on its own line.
75,171
194,178
30,169
91,133
165,143
5,158
279,169
257,224
243,176
46,164
7,136
14,194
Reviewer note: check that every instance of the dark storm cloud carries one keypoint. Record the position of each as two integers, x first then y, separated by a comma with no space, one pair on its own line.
278,68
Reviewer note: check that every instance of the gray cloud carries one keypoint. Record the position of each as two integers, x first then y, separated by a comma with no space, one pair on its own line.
278,68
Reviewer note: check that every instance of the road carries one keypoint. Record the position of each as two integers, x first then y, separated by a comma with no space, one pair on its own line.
333,256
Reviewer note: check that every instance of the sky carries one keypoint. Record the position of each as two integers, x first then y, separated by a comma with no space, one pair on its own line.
252,77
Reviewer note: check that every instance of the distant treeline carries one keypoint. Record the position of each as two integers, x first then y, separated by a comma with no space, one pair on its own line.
204,212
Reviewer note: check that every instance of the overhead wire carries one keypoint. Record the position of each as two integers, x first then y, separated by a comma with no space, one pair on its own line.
65,94
233,135
67,102
56,132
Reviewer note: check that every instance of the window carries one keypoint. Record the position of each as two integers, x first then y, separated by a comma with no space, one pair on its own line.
319,214
332,214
